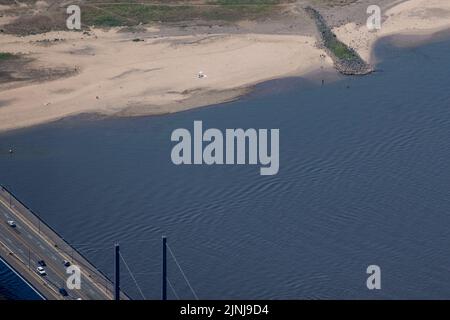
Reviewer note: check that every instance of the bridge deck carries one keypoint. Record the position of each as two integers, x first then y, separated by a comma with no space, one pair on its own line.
32,240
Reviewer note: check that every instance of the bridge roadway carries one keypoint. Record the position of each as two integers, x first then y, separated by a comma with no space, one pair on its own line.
29,241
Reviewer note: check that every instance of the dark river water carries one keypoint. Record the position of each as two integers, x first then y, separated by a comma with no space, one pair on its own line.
364,179
12,287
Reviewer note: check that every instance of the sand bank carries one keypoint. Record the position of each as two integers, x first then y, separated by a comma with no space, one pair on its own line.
116,75
412,17
107,72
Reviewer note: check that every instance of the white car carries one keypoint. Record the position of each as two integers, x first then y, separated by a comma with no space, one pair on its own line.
41,271
11,223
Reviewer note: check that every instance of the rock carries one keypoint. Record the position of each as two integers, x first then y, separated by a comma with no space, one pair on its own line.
353,65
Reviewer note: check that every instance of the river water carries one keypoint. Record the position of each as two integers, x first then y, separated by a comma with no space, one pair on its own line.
12,287
364,179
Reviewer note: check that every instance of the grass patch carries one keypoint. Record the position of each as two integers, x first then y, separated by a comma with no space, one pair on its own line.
333,3
130,14
246,2
107,20
6,56
341,51
133,14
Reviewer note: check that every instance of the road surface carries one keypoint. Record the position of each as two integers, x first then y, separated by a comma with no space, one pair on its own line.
24,245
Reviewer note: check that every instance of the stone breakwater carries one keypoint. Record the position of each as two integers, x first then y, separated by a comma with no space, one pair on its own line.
346,60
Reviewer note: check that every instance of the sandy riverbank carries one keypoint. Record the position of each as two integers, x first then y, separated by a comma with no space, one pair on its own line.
155,76
107,72
412,17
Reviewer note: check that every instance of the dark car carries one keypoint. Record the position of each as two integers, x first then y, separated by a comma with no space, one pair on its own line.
42,263
66,263
63,292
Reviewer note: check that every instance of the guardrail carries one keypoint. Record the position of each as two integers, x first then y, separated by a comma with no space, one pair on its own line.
72,254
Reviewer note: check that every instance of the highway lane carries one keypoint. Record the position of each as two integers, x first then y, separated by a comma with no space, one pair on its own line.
30,247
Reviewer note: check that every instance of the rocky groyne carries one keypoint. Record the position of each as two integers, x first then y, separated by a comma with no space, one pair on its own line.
346,60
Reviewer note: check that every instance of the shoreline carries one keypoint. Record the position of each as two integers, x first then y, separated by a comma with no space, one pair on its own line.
163,69
167,84
234,95
413,18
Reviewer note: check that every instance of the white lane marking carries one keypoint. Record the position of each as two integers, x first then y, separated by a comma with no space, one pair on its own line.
40,245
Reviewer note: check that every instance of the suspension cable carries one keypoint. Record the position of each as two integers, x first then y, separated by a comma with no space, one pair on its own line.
173,289
132,276
182,272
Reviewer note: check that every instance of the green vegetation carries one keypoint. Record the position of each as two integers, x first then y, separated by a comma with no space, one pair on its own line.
132,14
341,51
346,60
246,2
108,21
333,3
128,14
6,56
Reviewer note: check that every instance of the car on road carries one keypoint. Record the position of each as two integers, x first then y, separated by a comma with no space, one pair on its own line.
66,263
41,271
63,292
11,223
42,263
